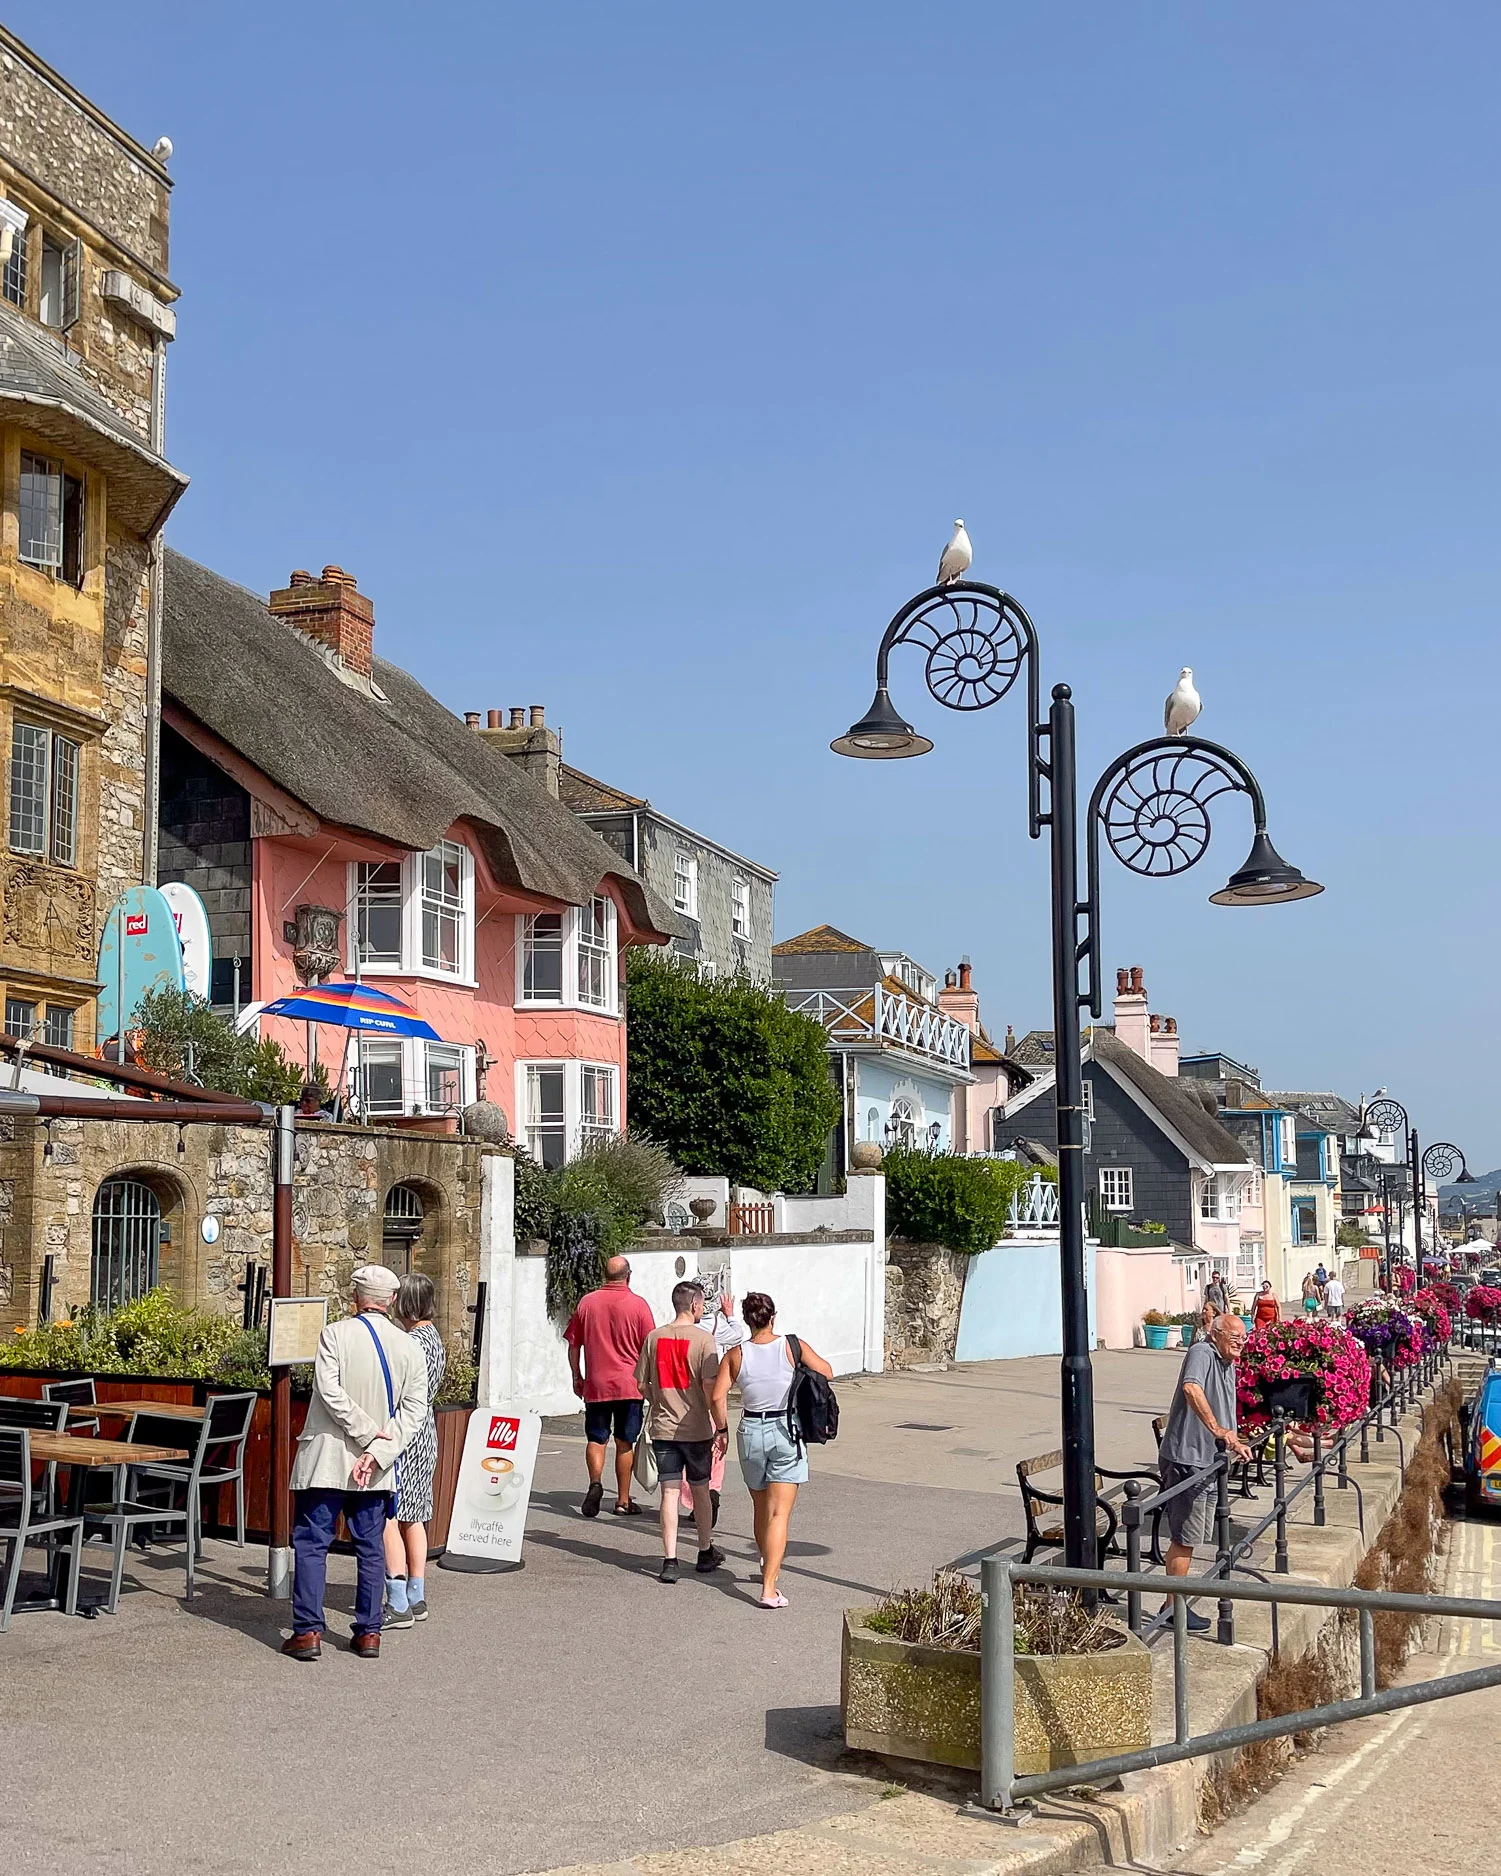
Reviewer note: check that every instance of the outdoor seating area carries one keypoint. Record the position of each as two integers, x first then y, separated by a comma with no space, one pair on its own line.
64,1488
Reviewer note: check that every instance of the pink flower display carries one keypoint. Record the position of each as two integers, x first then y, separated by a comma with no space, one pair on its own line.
1434,1311
1283,1350
1388,1331
1483,1304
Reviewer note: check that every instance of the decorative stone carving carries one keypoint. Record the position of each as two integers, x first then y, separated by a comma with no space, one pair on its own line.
316,949
49,912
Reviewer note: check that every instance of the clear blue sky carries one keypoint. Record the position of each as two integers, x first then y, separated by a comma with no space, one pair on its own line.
637,359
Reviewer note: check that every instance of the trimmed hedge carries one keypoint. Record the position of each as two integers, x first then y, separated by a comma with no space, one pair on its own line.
949,1199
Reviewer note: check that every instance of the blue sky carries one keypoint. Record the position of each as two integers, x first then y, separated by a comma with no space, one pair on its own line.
636,360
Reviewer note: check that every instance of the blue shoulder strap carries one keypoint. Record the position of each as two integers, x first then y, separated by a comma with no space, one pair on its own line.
385,1368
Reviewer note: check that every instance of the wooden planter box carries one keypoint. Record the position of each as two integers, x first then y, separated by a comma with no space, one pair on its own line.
219,1504
907,1701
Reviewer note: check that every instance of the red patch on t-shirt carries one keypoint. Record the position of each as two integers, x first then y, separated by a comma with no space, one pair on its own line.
672,1364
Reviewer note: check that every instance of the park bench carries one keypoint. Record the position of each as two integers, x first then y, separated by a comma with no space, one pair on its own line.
1049,1536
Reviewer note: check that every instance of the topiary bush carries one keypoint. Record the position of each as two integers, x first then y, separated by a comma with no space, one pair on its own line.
949,1199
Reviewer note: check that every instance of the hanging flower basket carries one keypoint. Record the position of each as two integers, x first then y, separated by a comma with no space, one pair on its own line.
1483,1304
1435,1311
1284,1354
1386,1330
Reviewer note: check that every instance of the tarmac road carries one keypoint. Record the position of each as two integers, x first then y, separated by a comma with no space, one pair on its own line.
576,1711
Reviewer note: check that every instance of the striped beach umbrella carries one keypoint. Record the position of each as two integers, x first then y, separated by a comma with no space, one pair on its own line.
353,1006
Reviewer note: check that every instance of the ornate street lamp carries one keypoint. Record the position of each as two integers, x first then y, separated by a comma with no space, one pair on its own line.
1153,806
1385,1115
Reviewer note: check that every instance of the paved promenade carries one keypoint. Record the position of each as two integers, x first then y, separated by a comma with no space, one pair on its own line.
576,1712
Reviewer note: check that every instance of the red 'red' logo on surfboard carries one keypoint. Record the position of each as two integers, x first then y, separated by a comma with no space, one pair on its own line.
135,924
504,1433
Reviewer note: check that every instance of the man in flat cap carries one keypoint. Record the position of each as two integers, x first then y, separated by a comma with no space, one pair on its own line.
369,1403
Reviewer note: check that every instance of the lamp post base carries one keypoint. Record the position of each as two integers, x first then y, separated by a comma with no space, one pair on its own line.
279,1574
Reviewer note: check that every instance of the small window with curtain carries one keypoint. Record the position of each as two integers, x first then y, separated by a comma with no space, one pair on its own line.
51,518
597,1104
43,794
596,953
380,1078
443,904
542,958
740,909
545,1122
685,884
445,1077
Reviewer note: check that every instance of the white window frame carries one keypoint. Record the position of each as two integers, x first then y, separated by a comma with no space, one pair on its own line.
577,1130
1288,1144
685,883
1220,1198
412,1053
413,903
1088,1099
573,951
1117,1188
740,918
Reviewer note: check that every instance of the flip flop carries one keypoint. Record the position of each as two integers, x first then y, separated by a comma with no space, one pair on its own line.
779,1601
631,1510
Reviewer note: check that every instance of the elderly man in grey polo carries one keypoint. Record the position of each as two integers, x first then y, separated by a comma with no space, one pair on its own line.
1203,1412
369,1403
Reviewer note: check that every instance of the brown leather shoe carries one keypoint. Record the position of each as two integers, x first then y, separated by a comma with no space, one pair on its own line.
306,1646
367,1647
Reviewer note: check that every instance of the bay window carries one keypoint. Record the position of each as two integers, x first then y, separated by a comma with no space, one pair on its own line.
381,1091
565,1106
568,959
413,1076
415,916
1220,1198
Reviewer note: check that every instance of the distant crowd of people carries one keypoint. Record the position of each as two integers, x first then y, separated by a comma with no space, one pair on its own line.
670,1386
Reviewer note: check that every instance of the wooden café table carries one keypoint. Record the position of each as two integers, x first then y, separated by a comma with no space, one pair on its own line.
128,1409
82,1456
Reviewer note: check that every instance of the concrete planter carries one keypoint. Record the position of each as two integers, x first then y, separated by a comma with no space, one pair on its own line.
907,1701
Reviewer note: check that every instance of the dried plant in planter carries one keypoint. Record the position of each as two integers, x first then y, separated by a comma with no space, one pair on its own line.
1048,1622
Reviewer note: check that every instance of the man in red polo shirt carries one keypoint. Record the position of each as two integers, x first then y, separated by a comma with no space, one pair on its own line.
605,1336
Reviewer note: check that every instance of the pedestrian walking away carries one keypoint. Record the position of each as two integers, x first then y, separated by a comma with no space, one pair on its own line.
1310,1295
605,1335
1334,1297
1266,1309
676,1371
370,1402
406,1533
728,1331
773,1454
1203,1412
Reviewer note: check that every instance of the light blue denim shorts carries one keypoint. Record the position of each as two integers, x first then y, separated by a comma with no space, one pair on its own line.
769,1455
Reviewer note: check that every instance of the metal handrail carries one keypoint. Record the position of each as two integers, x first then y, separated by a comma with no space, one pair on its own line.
1000,1788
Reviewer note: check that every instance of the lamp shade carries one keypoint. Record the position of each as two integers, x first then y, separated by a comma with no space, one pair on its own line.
1265,879
881,734
1465,1177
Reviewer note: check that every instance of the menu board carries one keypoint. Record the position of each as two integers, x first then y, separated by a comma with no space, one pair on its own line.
296,1324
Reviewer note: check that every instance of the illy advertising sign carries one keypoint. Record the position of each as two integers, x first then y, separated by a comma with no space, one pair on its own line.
494,1486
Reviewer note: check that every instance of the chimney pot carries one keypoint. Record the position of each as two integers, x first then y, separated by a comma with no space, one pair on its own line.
948,980
300,577
336,576
494,719
330,611
1120,983
1138,988
471,719
1156,1022
1010,1039
1170,1023
539,716
964,970
518,719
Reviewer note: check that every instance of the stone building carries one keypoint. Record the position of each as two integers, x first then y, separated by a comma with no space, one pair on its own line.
85,316
121,1205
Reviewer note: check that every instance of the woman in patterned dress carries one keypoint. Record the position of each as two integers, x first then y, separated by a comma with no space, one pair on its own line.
406,1533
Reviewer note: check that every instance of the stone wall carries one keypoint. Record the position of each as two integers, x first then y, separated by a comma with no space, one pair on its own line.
50,1174
924,1292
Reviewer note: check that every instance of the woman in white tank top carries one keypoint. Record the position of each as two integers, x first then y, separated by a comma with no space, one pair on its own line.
773,1458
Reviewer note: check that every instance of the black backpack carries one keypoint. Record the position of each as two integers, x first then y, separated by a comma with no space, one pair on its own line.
811,1405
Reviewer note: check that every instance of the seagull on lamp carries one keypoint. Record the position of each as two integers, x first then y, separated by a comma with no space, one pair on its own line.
953,562
1182,708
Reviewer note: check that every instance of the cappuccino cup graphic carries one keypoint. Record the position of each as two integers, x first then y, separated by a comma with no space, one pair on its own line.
500,1482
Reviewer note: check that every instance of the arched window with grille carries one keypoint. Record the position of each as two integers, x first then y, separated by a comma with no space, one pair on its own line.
401,1227
126,1242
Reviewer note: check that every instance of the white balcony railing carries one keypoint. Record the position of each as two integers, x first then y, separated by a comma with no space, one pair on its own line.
881,1015
1035,1205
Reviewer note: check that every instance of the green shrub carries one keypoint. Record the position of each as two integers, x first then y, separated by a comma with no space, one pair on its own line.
182,1037
948,1198
154,1335
596,1205
725,1076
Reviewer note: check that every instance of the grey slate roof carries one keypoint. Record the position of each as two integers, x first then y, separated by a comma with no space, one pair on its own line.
404,769
1176,1100
1331,1111
49,396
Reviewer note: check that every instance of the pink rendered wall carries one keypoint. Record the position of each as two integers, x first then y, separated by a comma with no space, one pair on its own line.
1129,1282
287,875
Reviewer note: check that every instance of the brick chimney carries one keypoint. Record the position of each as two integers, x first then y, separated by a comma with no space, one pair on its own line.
1131,1021
331,611
1164,1043
960,1000
531,745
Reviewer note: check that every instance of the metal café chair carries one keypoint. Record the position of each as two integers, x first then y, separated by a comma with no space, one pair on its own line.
37,1416
127,1511
219,1460
21,1524
79,1393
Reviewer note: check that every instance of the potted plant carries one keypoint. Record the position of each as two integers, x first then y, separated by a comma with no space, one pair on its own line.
1156,1324
910,1679
1279,1359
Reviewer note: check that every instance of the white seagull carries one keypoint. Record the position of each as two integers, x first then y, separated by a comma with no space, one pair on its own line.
953,562
1183,705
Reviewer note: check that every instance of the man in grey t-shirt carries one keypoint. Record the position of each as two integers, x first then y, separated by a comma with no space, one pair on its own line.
1203,1412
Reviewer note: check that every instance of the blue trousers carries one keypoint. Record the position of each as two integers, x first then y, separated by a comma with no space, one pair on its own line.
317,1513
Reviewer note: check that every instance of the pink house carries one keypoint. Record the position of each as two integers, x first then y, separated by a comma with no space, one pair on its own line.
338,821
979,1118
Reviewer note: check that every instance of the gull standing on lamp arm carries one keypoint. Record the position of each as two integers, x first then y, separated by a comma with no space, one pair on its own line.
1152,803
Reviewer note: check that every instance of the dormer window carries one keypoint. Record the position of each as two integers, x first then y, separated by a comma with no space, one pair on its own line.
416,916
567,960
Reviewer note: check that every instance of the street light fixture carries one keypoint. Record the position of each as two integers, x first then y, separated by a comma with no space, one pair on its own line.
1386,1115
1152,804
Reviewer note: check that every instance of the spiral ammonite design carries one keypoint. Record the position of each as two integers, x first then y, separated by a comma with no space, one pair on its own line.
1442,1161
1385,1116
1156,817
975,648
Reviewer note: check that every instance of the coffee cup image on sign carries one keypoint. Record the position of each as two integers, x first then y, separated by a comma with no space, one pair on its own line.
500,1482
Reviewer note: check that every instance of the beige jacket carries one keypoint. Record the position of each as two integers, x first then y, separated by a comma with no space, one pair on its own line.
347,1414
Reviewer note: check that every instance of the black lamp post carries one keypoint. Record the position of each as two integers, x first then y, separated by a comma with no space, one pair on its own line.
1438,1164
1152,803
